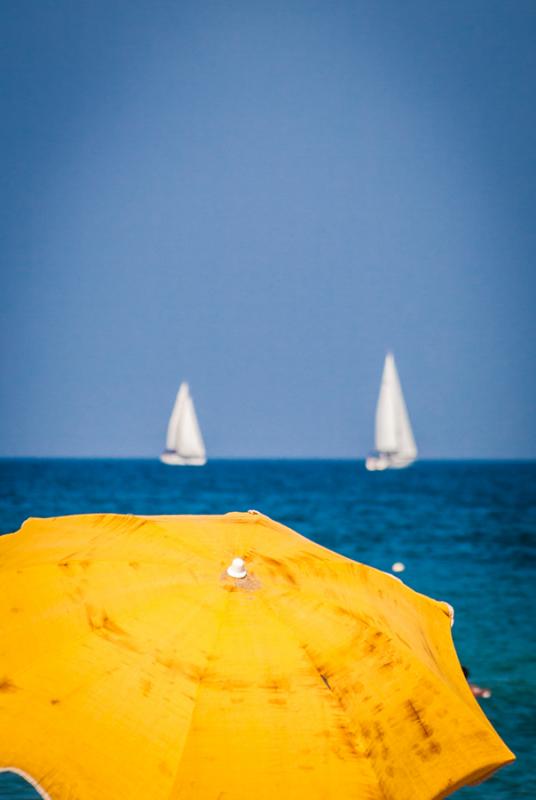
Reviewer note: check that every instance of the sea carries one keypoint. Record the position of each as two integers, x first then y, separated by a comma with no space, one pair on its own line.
465,532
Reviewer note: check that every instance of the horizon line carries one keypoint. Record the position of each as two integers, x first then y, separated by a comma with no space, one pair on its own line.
350,459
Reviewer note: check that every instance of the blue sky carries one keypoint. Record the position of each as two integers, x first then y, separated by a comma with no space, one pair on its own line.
262,198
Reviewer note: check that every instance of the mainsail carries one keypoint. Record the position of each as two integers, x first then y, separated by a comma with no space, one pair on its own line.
394,441
184,442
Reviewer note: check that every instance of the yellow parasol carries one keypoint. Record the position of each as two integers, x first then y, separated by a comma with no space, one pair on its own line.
225,658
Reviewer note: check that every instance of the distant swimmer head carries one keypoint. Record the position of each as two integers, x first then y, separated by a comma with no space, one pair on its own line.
398,566
237,568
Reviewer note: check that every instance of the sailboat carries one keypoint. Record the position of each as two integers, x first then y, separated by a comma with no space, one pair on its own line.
184,442
394,442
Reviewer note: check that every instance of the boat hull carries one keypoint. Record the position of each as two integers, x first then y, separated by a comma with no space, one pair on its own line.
175,460
401,463
383,461
376,463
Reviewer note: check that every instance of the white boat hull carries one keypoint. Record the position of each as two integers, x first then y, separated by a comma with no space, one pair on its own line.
382,462
376,463
175,460
400,462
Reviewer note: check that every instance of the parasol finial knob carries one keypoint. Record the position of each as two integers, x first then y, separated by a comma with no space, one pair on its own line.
237,568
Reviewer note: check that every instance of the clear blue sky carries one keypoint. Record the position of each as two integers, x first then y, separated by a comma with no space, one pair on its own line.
261,198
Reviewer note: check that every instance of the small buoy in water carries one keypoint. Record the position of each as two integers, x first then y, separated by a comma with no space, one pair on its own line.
398,566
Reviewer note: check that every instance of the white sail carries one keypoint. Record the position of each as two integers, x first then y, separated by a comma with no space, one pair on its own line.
406,447
394,439
184,442
173,424
189,442
385,439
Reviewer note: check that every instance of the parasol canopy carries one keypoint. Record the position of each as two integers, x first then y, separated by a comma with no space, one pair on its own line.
225,658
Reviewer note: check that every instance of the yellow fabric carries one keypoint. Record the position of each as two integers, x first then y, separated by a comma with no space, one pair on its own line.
132,666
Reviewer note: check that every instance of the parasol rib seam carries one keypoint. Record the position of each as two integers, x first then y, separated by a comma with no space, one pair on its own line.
325,682
198,690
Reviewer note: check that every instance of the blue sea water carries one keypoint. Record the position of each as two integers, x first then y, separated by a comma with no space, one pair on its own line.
465,531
